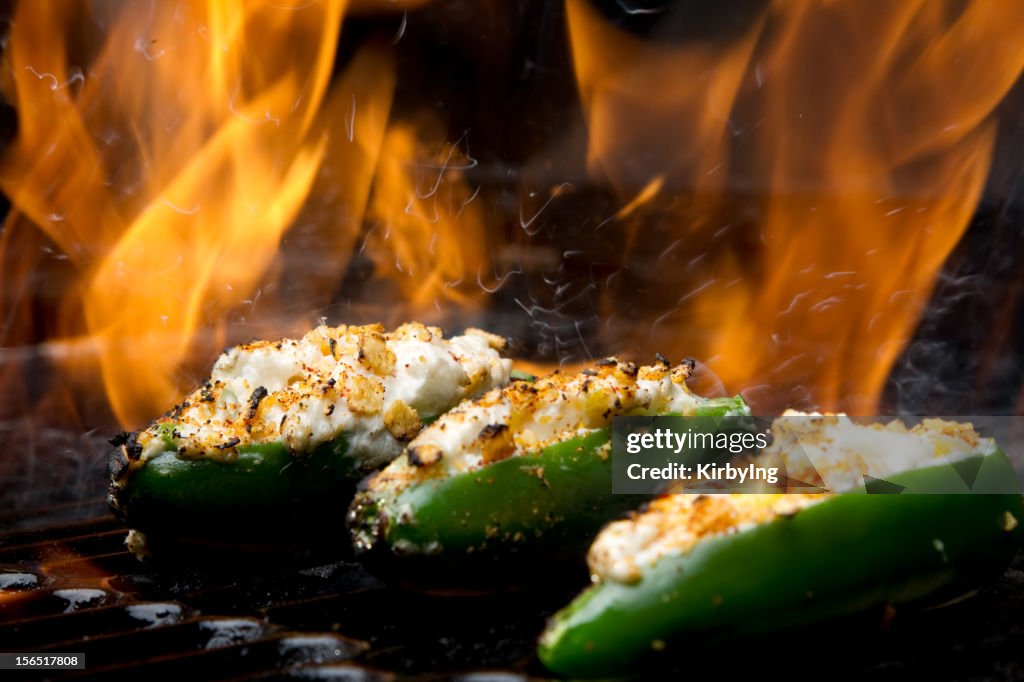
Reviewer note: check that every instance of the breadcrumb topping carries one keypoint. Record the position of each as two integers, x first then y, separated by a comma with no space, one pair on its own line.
527,416
829,450
375,386
832,451
674,523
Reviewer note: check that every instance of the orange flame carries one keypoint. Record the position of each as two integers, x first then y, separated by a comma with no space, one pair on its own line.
168,168
205,166
429,236
684,92
854,140
184,173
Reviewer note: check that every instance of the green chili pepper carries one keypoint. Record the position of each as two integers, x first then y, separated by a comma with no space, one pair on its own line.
266,492
469,527
843,555
272,445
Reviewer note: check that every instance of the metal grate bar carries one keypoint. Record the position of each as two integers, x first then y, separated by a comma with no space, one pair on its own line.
282,650
90,544
59,531
187,635
35,632
73,587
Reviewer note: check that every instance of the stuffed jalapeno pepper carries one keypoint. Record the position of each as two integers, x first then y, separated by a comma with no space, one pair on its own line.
274,442
698,568
521,473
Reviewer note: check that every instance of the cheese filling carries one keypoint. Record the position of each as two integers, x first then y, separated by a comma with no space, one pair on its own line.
836,452
839,451
375,387
526,417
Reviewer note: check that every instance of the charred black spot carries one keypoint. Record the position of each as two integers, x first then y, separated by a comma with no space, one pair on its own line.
117,467
118,462
254,403
331,382
424,455
590,372
689,363
120,438
628,368
133,447
492,431
206,395
607,362
330,410
128,443
523,387
176,411
662,359
229,443
332,343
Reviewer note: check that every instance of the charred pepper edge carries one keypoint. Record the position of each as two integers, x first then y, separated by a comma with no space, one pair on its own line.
126,459
382,522
127,471
195,496
578,643
377,521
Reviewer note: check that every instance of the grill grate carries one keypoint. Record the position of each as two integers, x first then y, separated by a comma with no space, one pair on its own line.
67,584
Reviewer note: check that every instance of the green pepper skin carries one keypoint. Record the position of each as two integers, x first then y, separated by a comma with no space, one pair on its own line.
560,492
842,556
266,494
476,527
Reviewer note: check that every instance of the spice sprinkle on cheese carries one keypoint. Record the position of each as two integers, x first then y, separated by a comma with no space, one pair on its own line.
373,386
